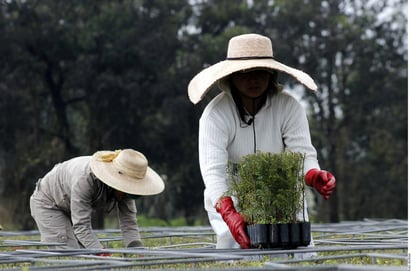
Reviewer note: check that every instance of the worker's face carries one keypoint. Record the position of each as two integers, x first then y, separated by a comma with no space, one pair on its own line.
251,84
119,195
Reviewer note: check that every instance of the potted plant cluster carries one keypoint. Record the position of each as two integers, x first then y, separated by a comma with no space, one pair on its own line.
270,191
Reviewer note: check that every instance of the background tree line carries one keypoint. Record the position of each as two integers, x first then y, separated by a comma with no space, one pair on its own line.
80,76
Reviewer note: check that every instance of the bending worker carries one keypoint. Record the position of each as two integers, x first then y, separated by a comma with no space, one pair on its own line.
64,199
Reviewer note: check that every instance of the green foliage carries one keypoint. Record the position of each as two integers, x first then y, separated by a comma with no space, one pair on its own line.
269,187
145,221
358,57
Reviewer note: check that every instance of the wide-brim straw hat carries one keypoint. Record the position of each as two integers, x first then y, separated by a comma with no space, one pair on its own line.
247,51
126,171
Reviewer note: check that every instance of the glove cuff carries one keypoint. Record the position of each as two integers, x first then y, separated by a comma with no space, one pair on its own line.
224,204
311,176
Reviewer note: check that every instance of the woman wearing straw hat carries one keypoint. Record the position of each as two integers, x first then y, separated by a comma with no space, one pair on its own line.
64,199
251,114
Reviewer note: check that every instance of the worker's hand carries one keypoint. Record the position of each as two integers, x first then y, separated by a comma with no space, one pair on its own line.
104,254
135,243
323,181
234,220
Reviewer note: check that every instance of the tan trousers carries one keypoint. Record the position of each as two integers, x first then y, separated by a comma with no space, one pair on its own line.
54,225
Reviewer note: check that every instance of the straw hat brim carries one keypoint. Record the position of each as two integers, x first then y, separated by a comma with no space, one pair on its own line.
206,79
150,184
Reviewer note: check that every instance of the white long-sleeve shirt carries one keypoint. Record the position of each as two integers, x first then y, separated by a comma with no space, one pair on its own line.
281,123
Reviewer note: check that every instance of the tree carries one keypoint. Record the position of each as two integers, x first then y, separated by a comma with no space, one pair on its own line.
79,76
337,42
94,76
328,39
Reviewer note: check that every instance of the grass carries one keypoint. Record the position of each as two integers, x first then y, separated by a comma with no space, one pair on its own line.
167,241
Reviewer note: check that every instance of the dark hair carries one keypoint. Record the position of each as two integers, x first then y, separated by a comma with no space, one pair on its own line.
273,89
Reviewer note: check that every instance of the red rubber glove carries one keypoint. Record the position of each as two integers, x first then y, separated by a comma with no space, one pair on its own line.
323,181
104,254
234,220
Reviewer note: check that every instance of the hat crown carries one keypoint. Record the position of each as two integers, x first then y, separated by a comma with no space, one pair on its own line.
249,46
131,163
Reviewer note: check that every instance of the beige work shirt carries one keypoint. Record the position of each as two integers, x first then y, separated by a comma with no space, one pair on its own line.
72,188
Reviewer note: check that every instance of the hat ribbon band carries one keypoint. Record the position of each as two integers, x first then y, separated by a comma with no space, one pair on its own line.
249,57
107,156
